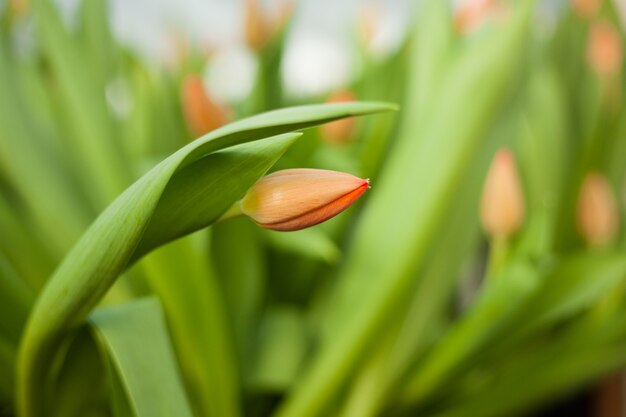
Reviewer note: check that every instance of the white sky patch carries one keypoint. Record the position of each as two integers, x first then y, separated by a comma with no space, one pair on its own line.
230,73
314,64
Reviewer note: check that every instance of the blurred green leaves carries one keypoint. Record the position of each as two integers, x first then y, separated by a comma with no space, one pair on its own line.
384,310
133,338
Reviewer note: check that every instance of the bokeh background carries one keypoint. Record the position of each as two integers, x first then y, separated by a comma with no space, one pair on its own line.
484,274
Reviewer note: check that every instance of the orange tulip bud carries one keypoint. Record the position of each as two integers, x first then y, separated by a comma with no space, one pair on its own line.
605,51
471,13
502,203
586,8
257,30
295,199
368,22
339,131
259,27
18,7
597,214
202,113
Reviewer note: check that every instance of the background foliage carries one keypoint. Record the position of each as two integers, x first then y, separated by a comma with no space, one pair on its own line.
399,306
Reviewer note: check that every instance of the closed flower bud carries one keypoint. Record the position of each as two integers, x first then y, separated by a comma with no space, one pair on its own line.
260,27
202,113
586,8
257,31
597,214
605,51
471,14
339,131
294,199
502,203
18,7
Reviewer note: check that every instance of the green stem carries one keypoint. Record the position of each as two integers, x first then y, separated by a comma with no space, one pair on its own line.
233,211
498,254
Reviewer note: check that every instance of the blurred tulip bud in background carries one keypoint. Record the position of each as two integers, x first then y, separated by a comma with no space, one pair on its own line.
502,203
368,21
18,7
260,27
604,49
586,8
295,199
256,26
339,131
202,113
597,212
471,14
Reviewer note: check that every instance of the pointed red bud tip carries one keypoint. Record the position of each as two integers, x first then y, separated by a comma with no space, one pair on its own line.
295,199
597,214
202,113
605,51
502,204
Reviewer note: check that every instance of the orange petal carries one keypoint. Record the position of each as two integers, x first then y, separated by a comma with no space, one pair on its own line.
597,214
502,202
320,214
339,131
296,198
202,113
605,52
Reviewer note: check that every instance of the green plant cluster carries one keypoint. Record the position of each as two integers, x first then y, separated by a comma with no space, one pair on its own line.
122,294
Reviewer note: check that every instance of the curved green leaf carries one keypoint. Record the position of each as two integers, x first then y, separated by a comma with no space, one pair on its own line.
115,239
135,339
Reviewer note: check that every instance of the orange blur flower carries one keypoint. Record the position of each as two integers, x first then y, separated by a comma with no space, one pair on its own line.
471,14
295,199
260,28
605,51
339,131
18,7
202,113
586,8
597,216
502,204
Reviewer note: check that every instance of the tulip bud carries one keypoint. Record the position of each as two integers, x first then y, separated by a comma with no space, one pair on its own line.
259,27
295,199
202,113
368,22
256,27
502,203
604,49
471,14
586,8
339,131
597,214
18,7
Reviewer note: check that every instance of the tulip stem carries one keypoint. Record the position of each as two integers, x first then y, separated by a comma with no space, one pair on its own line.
233,211
498,253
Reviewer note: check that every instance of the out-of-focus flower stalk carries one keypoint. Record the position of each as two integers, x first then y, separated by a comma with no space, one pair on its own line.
502,205
597,216
202,113
295,199
339,131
